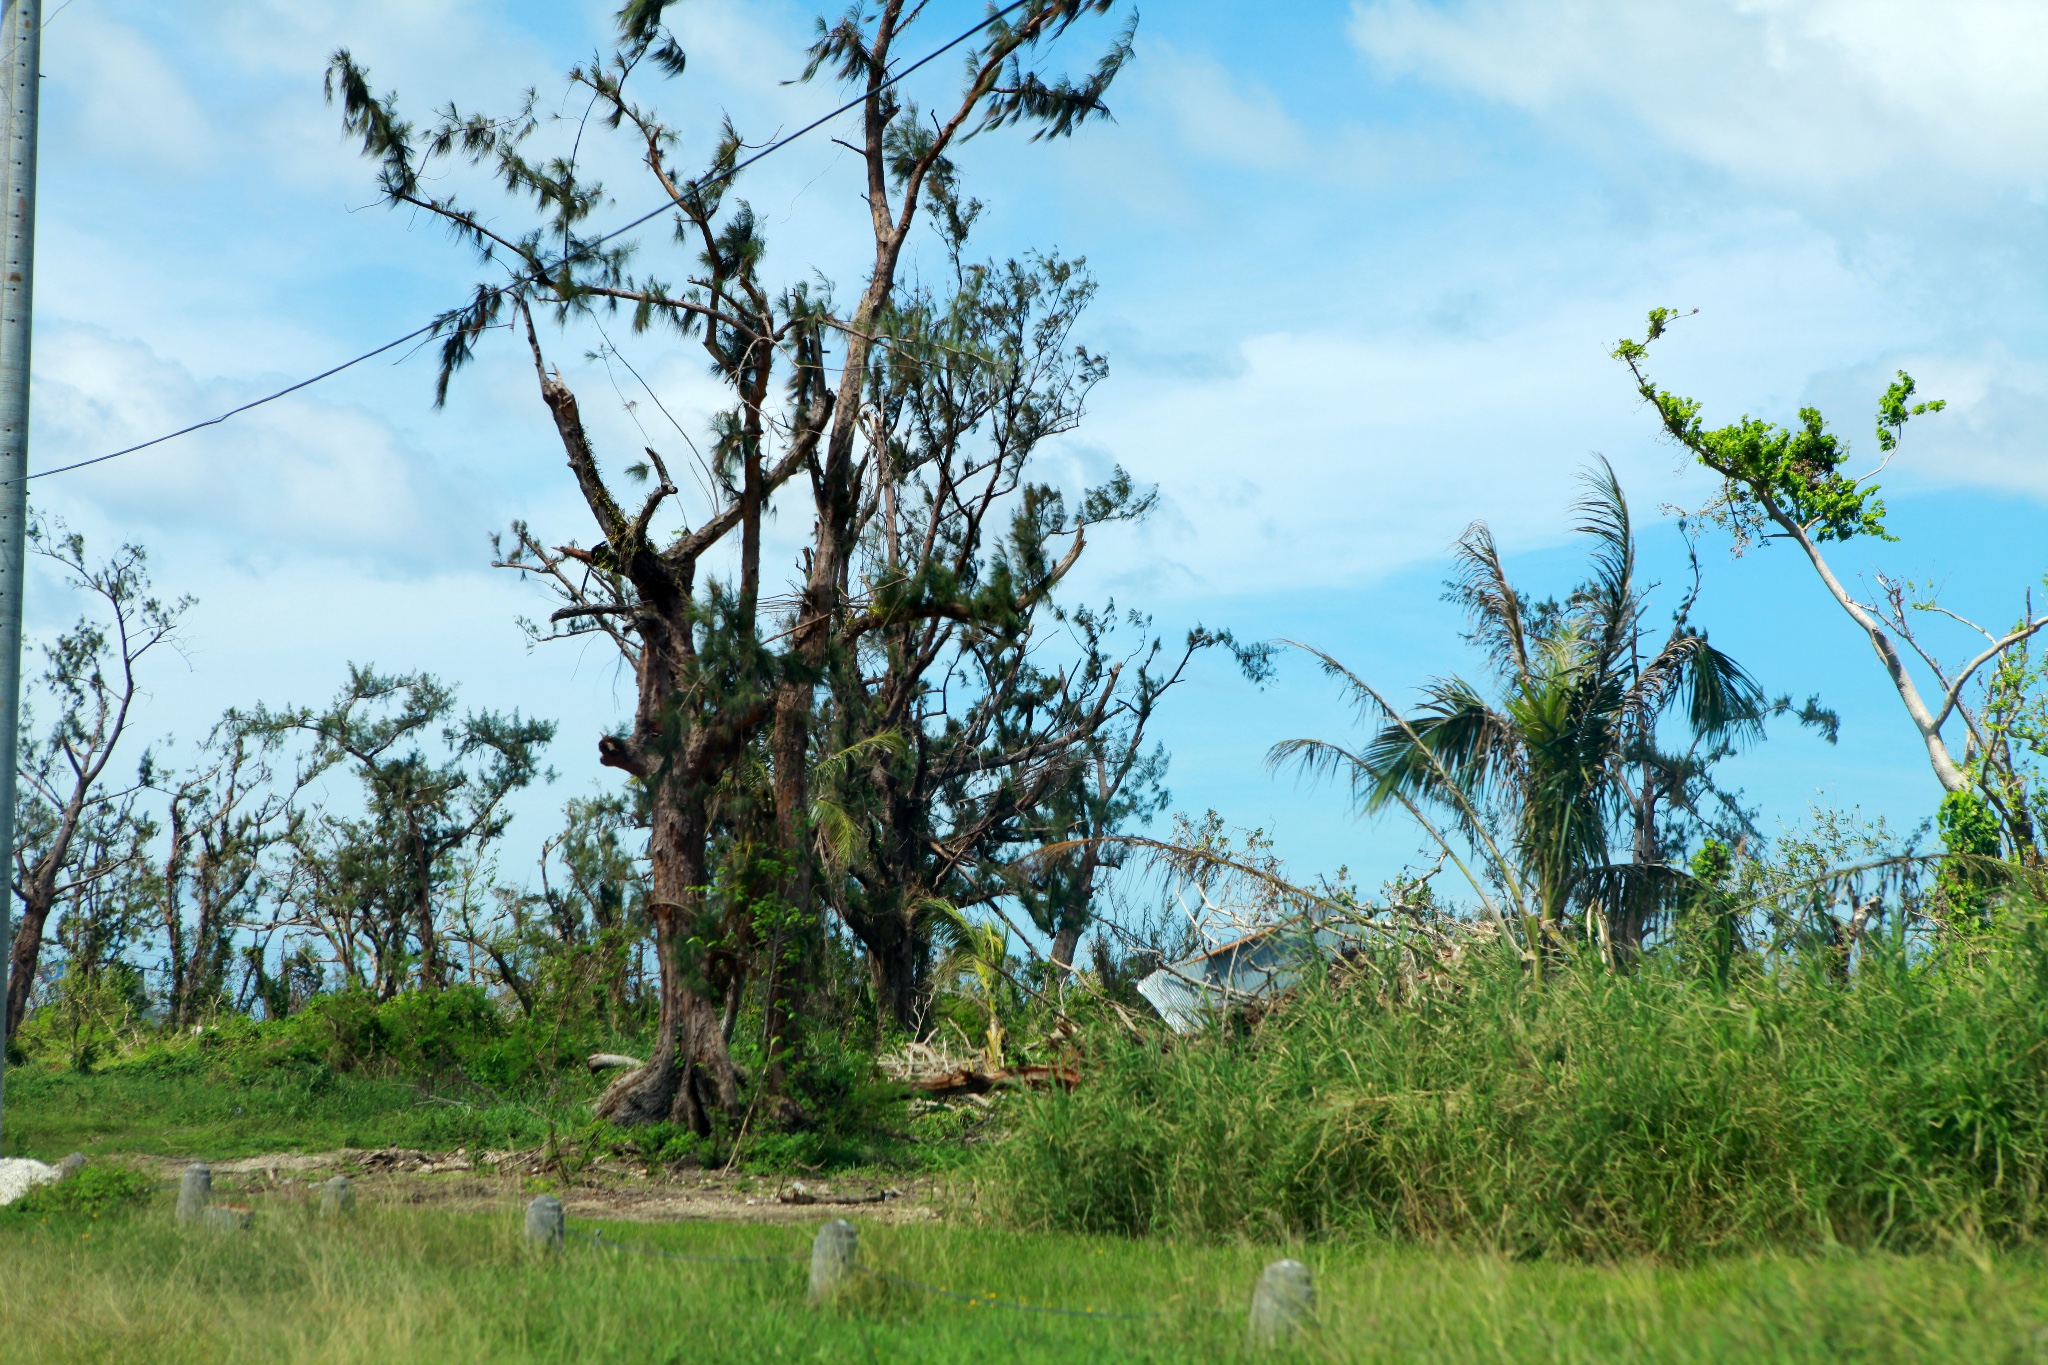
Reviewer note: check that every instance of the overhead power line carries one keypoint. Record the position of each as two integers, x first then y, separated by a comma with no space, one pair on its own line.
232,412
727,174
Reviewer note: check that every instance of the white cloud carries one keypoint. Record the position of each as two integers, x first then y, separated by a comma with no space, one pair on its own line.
1786,92
1217,114
1333,459
303,476
1330,456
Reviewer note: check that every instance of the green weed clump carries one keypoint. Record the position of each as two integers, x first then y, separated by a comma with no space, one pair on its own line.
1901,1106
87,1193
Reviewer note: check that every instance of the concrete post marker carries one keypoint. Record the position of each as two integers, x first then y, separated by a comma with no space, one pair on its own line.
833,1256
544,1223
227,1217
1283,1303
337,1196
195,1192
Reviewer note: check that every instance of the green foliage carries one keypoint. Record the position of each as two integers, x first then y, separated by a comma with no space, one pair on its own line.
1708,931
380,880
89,1192
423,1069
1904,1106
1969,831
2012,768
1786,476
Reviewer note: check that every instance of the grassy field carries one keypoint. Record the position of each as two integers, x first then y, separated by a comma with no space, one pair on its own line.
1788,1166
411,1285
171,1113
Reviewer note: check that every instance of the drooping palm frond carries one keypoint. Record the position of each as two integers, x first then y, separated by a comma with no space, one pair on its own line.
1633,893
1318,758
1721,699
1371,704
1454,739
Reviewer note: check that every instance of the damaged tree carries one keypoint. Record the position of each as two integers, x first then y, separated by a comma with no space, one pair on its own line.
1788,483
65,806
707,682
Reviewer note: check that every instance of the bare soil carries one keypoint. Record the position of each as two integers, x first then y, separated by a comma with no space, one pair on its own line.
459,1180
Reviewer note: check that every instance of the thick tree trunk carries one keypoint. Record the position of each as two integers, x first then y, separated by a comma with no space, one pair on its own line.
26,952
1065,944
788,973
690,1078
899,961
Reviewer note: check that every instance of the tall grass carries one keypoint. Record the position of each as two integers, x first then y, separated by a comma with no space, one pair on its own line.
1597,1114
398,1284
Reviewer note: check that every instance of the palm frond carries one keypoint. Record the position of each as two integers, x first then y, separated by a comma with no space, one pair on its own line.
1721,699
1479,584
836,834
1365,696
1453,739
1608,596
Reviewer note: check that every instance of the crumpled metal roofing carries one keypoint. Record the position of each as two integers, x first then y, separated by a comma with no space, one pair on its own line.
1189,993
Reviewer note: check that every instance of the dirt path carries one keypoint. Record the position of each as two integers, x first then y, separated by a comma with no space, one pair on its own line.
507,1180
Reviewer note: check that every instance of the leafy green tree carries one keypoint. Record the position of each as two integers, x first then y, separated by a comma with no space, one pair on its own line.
98,990
599,899
1558,781
968,754
572,945
946,742
1969,831
378,879
223,819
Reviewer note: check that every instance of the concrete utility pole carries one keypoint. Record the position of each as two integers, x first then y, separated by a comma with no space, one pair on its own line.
21,42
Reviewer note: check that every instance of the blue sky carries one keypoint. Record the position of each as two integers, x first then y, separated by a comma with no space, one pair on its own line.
1361,265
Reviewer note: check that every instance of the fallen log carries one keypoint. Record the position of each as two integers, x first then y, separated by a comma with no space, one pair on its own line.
799,1193
971,1081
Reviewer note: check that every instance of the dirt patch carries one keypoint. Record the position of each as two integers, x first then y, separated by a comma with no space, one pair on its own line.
483,1181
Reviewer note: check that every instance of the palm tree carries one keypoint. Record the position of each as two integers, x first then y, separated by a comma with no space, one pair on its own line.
1565,761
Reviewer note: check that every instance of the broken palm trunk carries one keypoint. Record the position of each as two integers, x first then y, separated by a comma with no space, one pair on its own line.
932,1070
973,1081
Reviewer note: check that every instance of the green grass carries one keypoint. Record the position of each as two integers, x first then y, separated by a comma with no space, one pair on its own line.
1594,1115
405,1285
173,1112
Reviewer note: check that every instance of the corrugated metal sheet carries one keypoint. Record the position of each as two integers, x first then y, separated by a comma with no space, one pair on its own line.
1189,993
